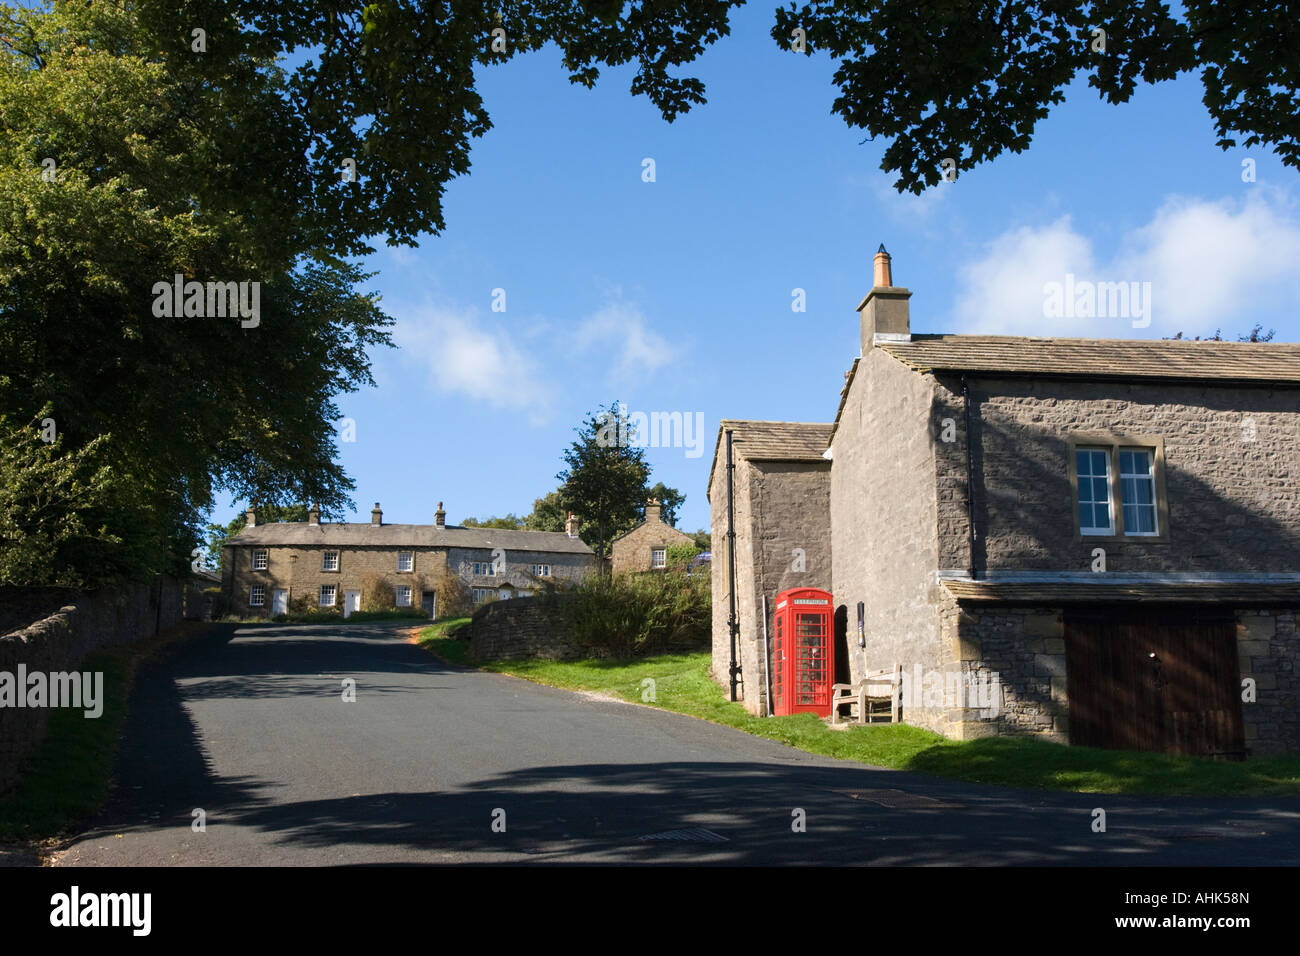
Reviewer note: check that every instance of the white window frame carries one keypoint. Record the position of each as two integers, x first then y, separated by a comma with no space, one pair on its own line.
489,573
333,592
261,559
257,595
658,557
325,560
1092,530
399,591
540,570
482,594
410,561
1150,477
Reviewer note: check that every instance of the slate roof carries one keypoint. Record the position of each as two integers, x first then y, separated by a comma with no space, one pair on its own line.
1213,363
771,441
1077,592
365,534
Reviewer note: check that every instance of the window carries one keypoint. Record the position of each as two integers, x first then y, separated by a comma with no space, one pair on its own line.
1093,466
658,557
540,570
1119,486
257,596
485,569
405,560
404,596
1137,475
329,561
260,559
483,594
327,595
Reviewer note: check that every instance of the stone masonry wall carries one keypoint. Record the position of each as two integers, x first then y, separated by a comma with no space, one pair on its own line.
523,628
91,621
1231,457
1268,652
632,551
883,521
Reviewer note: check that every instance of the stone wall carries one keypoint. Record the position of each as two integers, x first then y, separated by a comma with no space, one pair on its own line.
1268,651
523,628
1231,455
779,507
883,521
90,621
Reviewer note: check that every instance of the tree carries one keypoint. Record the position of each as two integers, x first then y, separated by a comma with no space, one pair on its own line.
606,477
670,498
967,79
219,535
511,522
120,169
392,85
703,539
549,514
1257,334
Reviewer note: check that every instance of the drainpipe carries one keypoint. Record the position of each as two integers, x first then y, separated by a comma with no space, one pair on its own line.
970,481
733,624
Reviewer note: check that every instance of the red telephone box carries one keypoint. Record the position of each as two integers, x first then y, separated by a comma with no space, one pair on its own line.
803,657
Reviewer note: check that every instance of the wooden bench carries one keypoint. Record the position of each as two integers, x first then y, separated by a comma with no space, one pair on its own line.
877,697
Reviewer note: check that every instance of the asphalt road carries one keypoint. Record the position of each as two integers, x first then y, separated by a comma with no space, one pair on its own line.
434,764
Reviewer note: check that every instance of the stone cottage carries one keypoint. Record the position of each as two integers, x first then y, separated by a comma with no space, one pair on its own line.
645,547
1105,533
266,566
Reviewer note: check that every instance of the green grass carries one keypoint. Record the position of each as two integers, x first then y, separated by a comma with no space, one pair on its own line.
682,684
68,778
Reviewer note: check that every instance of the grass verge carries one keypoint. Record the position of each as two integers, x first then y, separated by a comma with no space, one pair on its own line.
680,683
68,777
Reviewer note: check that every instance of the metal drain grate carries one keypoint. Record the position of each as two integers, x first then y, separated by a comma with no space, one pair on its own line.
689,835
900,800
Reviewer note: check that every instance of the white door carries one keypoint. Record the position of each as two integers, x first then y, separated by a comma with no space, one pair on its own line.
351,602
280,601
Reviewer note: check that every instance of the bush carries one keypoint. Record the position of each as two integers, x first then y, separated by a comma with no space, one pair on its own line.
377,594
455,599
680,556
631,615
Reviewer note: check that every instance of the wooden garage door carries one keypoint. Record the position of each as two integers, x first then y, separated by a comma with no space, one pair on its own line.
1162,679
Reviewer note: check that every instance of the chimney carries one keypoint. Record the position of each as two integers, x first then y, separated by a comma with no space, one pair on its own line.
884,312
571,525
440,517
250,518
652,511
376,516
313,516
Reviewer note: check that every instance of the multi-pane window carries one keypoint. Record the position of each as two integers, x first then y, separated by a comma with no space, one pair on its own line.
540,570
483,594
1119,488
1093,466
485,568
330,561
658,557
260,559
257,595
405,560
327,595
404,596
1137,476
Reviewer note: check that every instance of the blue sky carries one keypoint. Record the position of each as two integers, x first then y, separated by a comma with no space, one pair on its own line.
676,295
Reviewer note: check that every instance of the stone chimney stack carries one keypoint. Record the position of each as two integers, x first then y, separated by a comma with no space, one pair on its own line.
571,525
884,312
313,516
250,518
653,510
440,517
376,516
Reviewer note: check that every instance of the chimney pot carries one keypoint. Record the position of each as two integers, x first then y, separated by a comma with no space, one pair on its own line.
376,516
653,511
313,515
883,314
440,517
250,518
571,525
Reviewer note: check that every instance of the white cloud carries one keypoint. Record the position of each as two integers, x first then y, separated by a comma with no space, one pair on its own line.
1210,265
619,333
909,206
464,356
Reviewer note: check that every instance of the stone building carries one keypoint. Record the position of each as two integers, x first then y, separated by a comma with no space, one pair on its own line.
1090,541
645,547
781,509
266,566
